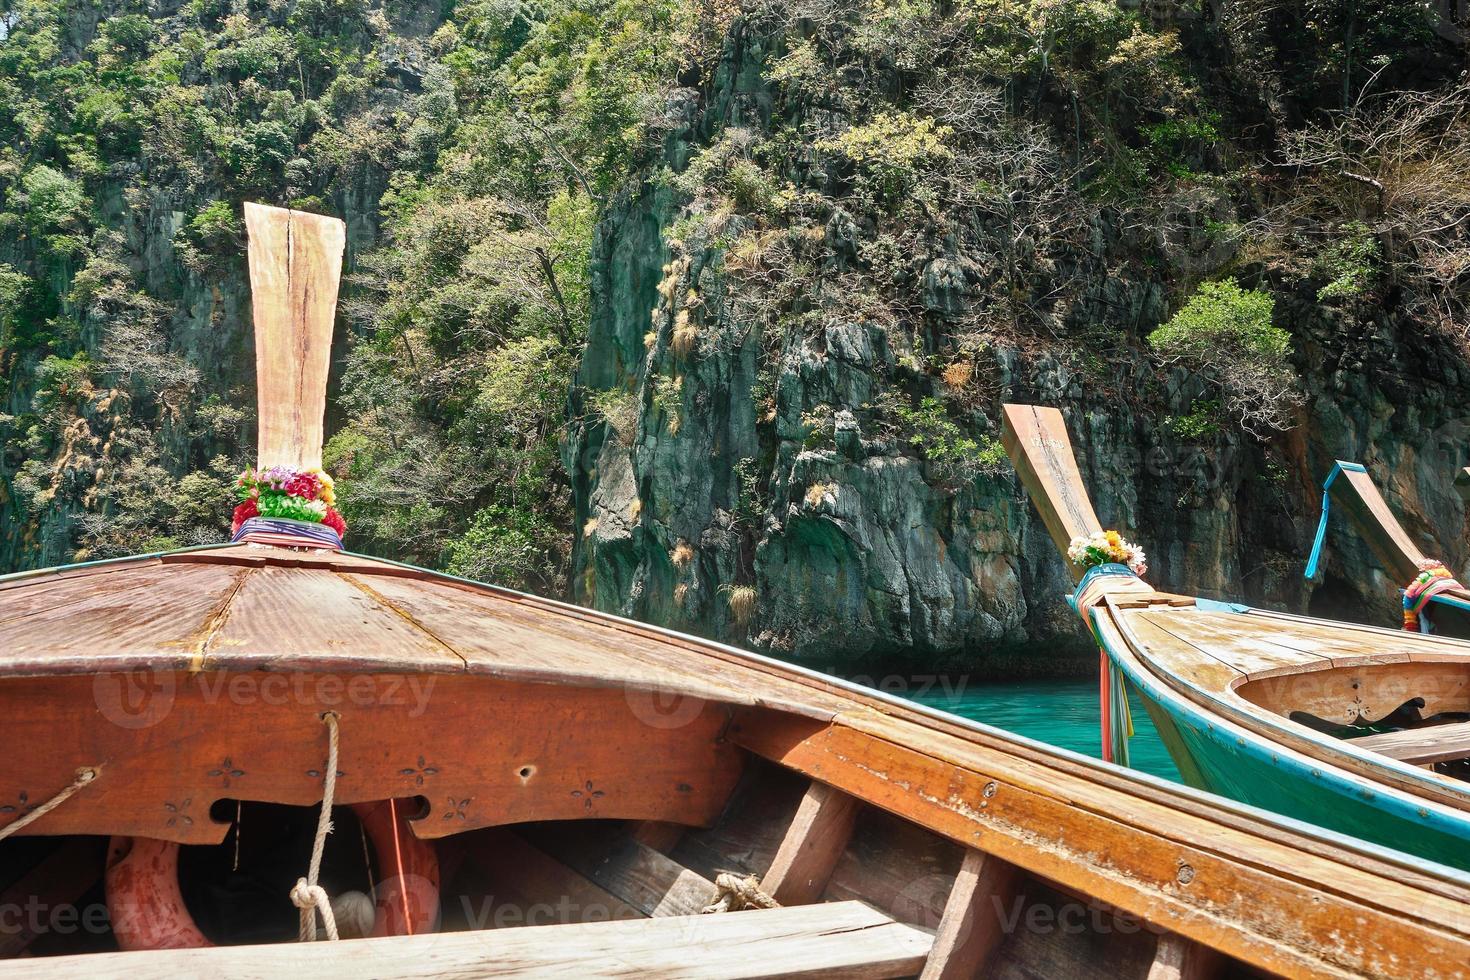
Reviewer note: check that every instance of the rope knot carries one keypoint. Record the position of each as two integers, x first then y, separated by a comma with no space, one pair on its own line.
309,899
733,893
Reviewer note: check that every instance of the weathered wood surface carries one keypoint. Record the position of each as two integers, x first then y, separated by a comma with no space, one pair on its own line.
1036,439
971,929
1355,694
1420,746
295,267
482,752
846,941
1237,895
1180,959
813,843
651,882
660,678
1355,492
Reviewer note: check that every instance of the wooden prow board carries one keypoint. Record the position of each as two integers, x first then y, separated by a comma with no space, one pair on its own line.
1036,440
295,268
1354,491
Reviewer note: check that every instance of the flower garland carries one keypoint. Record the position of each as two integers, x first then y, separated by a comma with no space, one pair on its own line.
1432,579
290,494
1107,548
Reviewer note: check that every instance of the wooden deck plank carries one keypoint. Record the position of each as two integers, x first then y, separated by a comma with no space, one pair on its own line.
815,840
504,638
1420,746
1169,654
846,941
1337,642
1231,639
971,928
282,613
161,624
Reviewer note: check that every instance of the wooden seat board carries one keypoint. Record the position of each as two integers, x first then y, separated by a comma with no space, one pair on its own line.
1420,746
844,940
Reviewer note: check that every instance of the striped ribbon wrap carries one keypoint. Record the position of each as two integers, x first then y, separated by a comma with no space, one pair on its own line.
287,533
1433,578
1116,719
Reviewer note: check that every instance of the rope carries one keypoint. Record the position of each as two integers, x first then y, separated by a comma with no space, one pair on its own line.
84,776
307,895
733,893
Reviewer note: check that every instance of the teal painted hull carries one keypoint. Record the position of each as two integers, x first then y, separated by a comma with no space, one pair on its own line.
1243,766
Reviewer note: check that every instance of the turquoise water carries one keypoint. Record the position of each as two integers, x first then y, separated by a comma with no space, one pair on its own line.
1059,712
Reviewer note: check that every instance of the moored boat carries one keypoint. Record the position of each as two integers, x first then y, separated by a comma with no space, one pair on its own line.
1281,711
1434,601
524,787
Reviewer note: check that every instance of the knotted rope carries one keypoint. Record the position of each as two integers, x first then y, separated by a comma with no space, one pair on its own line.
733,893
307,895
84,776
1433,578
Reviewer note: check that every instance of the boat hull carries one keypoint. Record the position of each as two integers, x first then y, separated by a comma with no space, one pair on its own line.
1215,755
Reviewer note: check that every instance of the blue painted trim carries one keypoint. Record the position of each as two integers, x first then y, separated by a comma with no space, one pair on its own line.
1337,468
1215,605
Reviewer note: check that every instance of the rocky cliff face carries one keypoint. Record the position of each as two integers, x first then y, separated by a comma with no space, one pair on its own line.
774,482
129,140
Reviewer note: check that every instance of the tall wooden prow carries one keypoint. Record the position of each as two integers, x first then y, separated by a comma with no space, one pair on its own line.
1352,489
1036,440
295,270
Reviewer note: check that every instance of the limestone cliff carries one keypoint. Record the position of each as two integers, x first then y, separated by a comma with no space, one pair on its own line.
747,453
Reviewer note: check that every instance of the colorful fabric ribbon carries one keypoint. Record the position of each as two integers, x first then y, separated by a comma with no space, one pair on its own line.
286,533
1433,578
1093,587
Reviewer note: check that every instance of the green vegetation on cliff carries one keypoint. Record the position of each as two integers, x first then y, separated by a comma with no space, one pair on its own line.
702,311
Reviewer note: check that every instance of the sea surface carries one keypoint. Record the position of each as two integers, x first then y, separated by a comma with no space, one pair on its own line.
1060,712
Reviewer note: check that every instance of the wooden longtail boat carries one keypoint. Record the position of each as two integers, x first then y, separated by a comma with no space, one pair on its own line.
524,787
1444,609
1264,707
